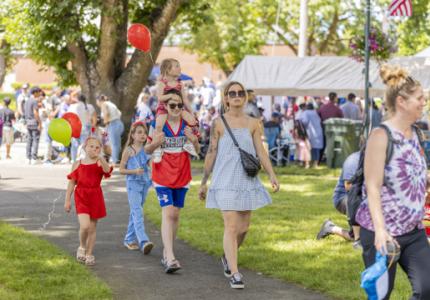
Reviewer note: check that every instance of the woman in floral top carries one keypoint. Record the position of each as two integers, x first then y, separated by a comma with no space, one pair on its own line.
394,194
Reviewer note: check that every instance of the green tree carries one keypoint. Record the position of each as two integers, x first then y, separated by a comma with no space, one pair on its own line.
226,31
85,41
6,58
231,29
414,32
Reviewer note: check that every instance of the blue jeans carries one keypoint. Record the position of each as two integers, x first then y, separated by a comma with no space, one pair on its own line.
32,143
76,142
115,130
136,226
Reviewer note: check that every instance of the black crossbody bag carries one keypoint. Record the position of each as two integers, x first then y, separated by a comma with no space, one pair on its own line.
250,163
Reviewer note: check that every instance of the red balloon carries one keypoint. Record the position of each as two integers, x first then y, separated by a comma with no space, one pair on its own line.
74,122
139,37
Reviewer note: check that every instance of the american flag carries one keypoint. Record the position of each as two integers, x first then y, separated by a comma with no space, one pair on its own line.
400,8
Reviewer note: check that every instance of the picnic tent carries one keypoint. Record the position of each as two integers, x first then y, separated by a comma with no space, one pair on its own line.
318,75
423,53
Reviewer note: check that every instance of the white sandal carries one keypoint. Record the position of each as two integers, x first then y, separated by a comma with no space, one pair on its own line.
80,255
90,260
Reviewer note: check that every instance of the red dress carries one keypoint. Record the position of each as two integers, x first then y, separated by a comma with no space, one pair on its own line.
88,192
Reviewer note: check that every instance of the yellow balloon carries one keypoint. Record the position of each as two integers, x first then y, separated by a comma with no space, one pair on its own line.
60,131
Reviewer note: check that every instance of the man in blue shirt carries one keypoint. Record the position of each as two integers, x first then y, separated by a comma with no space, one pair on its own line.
340,198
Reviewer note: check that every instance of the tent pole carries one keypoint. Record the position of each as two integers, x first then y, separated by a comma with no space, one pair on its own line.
366,70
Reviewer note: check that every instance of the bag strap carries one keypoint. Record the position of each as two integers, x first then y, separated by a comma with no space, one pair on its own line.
390,146
421,139
229,131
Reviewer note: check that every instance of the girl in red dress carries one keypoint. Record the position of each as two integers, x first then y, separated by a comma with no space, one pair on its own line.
85,180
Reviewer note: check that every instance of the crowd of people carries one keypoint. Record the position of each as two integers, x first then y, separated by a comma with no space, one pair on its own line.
172,116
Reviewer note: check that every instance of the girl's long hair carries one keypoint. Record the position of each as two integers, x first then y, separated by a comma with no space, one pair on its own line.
133,129
301,130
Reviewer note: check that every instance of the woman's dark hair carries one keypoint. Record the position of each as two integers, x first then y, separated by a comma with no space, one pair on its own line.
301,130
82,98
102,98
174,92
6,101
310,106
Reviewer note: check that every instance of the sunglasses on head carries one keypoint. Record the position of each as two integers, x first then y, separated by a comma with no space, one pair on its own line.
174,105
233,94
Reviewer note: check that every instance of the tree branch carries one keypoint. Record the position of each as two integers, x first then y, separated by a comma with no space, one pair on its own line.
109,36
331,31
80,66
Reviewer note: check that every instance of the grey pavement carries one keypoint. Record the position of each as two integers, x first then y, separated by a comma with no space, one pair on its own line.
28,194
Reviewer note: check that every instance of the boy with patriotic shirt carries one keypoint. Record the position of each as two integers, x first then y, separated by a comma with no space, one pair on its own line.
172,175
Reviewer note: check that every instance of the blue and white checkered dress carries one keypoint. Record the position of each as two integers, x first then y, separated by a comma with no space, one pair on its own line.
231,188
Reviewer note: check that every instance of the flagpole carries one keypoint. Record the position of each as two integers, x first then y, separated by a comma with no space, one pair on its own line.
366,70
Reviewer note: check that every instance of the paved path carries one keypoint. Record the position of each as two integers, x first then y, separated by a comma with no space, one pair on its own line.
27,194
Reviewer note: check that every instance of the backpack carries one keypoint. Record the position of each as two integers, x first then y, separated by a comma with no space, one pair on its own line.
355,194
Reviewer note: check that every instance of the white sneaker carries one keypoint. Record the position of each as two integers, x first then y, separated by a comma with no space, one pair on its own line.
28,161
65,160
157,155
189,147
34,162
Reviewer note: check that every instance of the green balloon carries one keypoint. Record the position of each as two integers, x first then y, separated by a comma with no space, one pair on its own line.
60,131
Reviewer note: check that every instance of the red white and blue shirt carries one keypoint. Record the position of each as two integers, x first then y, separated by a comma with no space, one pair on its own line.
174,170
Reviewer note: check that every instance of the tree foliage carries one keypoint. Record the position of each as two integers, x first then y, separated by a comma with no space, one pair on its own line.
6,58
414,32
85,41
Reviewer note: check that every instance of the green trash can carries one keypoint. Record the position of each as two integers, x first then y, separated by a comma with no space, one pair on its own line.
342,139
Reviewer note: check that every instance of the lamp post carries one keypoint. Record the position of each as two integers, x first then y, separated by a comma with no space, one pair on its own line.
366,70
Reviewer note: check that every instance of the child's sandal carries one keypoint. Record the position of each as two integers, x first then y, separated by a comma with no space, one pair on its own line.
90,260
80,255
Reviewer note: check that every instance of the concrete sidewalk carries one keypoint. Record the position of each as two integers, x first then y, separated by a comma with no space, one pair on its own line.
28,193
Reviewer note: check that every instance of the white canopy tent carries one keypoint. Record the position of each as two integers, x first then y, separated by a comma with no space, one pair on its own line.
423,53
318,75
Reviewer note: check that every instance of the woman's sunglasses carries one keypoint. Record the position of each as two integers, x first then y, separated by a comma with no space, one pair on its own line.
173,105
233,94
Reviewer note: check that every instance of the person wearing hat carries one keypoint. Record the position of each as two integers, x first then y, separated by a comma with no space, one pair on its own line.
7,118
34,124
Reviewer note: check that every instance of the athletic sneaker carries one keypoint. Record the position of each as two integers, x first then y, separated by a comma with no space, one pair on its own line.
227,272
189,147
236,281
326,229
147,247
157,155
357,245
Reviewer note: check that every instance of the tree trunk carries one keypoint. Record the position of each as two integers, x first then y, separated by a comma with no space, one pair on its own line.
109,74
3,65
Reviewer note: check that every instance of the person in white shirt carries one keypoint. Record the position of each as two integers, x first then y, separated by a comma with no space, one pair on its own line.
87,116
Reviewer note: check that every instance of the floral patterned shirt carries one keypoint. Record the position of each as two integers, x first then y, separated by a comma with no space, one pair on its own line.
403,191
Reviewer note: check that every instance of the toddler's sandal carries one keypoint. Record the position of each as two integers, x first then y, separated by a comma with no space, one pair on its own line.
90,260
80,255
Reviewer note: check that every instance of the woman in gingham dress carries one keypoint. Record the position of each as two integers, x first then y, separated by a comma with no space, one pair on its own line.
232,191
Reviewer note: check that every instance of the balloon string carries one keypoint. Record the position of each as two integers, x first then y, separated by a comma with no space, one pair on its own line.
150,55
51,213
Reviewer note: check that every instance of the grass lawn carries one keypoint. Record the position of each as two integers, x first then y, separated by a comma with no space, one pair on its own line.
32,268
281,241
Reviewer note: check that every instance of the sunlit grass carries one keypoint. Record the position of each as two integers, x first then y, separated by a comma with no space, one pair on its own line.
281,242
32,268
